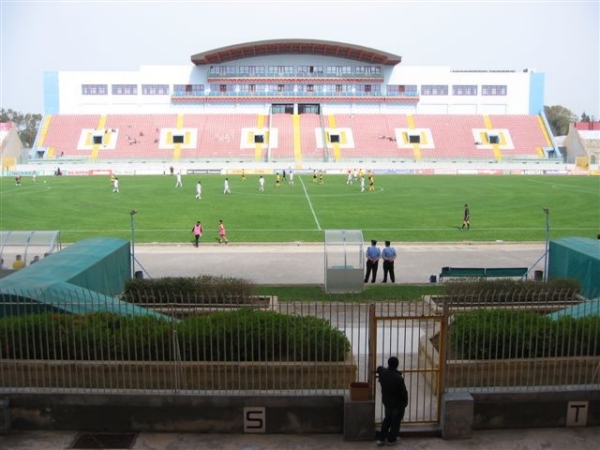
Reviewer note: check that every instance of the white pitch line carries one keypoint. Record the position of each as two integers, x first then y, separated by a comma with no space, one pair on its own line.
310,204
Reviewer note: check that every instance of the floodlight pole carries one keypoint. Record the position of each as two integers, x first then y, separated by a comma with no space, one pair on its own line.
547,212
133,213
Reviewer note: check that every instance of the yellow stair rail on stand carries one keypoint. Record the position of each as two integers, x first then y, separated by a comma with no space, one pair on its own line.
258,146
177,147
539,150
96,147
44,130
495,147
337,153
297,140
416,147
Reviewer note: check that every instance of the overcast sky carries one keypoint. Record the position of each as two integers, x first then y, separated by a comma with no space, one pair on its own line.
559,38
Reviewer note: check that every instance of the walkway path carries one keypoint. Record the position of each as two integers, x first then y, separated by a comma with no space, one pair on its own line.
303,263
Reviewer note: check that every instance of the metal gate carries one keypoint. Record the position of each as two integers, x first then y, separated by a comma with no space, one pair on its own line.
403,330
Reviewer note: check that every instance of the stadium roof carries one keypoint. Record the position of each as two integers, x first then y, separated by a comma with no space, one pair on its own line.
296,47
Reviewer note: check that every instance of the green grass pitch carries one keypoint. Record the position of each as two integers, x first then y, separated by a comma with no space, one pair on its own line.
403,208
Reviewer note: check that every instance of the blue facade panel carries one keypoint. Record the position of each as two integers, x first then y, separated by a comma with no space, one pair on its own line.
51,100
537,83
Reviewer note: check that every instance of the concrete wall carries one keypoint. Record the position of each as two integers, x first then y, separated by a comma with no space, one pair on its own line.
178,413
569,407
463,412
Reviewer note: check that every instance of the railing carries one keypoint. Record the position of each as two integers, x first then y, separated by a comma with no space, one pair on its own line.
521,340
204,93
302,74
257,347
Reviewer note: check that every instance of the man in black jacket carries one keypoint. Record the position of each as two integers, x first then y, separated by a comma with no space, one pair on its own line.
394,397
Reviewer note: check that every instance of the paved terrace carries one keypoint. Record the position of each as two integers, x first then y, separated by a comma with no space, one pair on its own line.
304,263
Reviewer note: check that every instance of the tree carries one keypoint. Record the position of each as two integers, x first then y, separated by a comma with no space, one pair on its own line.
585,117
27,124
559,119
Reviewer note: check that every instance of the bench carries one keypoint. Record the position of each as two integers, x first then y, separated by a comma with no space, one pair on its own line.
481,272
462,272
506,272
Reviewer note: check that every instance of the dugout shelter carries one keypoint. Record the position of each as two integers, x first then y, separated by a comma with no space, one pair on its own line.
28,244
344,261
83,278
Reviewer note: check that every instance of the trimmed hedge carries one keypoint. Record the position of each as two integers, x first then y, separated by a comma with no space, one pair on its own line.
241,335
205,289
506,334
507,290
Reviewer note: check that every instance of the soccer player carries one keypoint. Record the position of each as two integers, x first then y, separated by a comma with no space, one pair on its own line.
179,183
466,218
371,183
362,184
116,185
199,191
197,230
261,184
291,179
243,175
222,233
226,187
277,180
349,180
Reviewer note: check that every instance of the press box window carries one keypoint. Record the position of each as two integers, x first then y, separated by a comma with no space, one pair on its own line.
178,139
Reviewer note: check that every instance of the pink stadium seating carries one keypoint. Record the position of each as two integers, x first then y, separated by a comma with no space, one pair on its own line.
374,136
284,124
64,132
138,136
221,136
452,137
309,124
525,132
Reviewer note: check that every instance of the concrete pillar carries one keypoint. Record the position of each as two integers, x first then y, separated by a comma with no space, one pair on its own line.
4,417
457,415
359,420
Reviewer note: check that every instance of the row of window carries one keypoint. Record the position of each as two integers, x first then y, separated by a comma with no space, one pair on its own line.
125,89
463,89
282,70
199,89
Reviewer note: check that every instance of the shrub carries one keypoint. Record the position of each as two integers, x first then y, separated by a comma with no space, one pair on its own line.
508,290
504,334
242,335
250,335
204,289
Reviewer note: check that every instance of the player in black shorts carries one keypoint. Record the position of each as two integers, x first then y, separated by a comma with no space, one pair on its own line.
466,218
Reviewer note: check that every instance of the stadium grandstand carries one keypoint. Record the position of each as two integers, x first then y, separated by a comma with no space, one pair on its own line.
294,103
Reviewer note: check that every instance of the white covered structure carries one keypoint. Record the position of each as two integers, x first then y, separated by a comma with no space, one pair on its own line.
250,77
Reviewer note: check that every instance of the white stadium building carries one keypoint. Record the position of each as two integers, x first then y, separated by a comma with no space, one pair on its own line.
295,103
